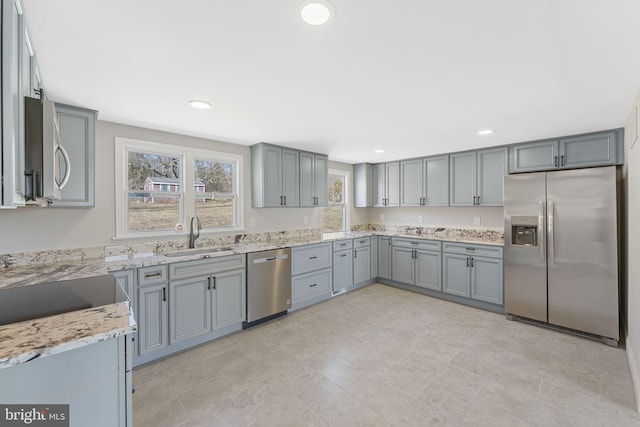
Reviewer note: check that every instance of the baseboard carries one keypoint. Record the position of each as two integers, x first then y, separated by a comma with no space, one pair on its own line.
635,371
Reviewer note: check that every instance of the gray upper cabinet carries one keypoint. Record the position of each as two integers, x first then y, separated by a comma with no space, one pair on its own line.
595,149
425,182
362,185
314,178
77,128
477,178
436,173
275,176
384,257
386,184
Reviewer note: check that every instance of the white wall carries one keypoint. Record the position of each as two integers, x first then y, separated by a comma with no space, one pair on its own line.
490,217
631,174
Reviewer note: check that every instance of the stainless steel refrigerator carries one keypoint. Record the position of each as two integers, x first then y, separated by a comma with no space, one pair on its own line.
561,249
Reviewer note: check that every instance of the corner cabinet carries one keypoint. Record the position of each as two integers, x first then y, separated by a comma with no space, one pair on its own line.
363,185
275,176
77,128
314,180
477,177
594,149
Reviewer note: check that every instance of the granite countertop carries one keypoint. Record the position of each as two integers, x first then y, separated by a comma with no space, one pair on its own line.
25,341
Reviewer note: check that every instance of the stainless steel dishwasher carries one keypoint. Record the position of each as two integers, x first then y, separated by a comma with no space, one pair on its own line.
268,285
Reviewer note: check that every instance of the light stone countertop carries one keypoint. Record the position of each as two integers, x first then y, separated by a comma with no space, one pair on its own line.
25,341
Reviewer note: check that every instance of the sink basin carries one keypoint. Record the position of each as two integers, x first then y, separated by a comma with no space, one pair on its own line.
48,299
203,251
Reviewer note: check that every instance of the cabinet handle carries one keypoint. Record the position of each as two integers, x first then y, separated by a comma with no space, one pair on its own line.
467,261
164,294
555,161
280,200
471,261
562,160
470,249
315,284
152,275
389,241
214,283
361,241
413,254
478,199
415,243
285,200
355,253
343,255
313,257
209,283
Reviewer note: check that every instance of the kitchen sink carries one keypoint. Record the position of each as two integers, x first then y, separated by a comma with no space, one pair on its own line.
35,301
199,251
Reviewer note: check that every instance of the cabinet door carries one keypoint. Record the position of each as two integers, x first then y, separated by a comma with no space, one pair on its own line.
77,136
379,192
152,318
307,191
321,181
490,180
487,280
189,308
12,107
374,258
436,175
402,265
291,177
392,183
411,179
588,150
361,264
456,274
272,176
535,156
228,298
462,171
428,270
342,270
362,185
384,257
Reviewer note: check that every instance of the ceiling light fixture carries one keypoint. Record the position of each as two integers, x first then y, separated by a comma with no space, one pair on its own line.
379,151
200,105
486,132
315,13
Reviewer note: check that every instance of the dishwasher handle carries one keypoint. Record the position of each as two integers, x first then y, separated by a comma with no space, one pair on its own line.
269,259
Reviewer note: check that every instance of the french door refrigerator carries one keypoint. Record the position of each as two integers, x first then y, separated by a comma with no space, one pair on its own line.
561,249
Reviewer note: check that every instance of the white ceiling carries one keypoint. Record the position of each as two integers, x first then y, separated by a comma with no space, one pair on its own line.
412,77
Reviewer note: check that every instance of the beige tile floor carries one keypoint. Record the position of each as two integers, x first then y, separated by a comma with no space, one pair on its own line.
384,356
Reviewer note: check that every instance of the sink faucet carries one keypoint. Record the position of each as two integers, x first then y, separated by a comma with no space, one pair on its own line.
194,234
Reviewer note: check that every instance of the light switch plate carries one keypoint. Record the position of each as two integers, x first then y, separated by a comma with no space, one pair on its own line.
476,220
252,222
381,217
420,219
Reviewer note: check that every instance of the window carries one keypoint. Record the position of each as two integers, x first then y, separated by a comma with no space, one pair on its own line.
153,199
334,216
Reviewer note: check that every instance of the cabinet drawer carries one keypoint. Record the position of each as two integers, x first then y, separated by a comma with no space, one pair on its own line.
468,249
342,244
361,242
152,274
309,258
310,285
425,245
180,270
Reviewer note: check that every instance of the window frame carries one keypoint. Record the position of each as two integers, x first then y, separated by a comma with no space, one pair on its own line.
187,207
345,200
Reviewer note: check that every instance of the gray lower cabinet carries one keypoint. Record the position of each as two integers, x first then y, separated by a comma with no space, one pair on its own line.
312,273
228,298
152,318
189,308
78,137
473,271
594,149
342,269
416,262
361,260
384,257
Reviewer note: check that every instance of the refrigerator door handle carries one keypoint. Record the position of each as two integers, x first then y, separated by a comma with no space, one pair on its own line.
541,238
551,240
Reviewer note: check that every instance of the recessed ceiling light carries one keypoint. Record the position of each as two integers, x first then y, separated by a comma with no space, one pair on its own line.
316,13
486,132
201,105
379,151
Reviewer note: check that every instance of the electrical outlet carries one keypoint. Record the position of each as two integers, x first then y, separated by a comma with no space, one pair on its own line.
252,222
476,220
381,217
420,219
305,220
